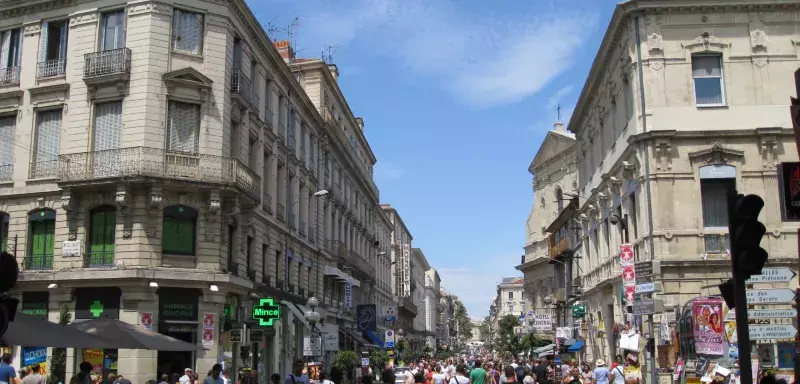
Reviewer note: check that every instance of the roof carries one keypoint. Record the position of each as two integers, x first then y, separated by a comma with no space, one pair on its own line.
554,144
512,280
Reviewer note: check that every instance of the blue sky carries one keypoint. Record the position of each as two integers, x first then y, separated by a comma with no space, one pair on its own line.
456,97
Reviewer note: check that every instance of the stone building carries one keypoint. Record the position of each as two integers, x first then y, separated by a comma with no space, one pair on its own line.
510,299
554,171
432,306
681,102
401,272
419,265
159,156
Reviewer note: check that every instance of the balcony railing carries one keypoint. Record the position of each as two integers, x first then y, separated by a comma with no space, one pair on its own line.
44,170
52,68
266,202
302,227
408,304
155,162
242,85
559,247
6,171
111,62
280,210
337,248
291,220
98,259
38,262
361,264
9,76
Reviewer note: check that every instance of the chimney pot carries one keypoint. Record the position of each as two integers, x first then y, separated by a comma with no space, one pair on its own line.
285,50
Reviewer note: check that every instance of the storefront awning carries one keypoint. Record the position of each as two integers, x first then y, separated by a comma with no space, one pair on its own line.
356,337
576,347
296,312
546,348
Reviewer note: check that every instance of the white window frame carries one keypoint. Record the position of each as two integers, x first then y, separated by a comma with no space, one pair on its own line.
718,56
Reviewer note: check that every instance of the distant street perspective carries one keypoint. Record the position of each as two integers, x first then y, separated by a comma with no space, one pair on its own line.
188,194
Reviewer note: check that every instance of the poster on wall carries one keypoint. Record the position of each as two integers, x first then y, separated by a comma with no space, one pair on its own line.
35,355
208,336
146,321
709,333
209,320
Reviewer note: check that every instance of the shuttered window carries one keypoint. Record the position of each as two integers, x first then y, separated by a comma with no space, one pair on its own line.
41,245
4,221
103,224
178,237
48,135
187,32
107,125
8,127
184,126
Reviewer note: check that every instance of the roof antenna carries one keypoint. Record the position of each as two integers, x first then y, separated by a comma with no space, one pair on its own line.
291,30
327,57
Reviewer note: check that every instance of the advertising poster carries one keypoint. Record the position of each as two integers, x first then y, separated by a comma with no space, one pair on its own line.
35,355
786,354
730,332
709,333
95,358
146,320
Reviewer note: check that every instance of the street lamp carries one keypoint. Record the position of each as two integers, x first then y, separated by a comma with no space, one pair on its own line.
313,317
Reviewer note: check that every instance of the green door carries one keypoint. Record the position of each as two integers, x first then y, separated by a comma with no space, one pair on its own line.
103,234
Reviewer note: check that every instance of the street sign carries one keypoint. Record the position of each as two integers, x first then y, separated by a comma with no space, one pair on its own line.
365,361
312,346
772,331
647,306
644,279
266,312
773,275
771,313
256,335
645,288
770,296
236,335
518,331
389,337
648,268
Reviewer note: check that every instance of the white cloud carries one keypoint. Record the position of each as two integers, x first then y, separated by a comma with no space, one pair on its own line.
482,60
388,171
476,284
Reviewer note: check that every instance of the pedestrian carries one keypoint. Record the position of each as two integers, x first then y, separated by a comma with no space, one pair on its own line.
83,376
387,376
164,379
213,376
7,373
122,380
296,377
187,376
541,373
509,375
35,376
478,375
586,374
600,373
573,377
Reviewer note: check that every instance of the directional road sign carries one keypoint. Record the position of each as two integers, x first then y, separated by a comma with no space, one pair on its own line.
773,275
770,296
772,331
771,313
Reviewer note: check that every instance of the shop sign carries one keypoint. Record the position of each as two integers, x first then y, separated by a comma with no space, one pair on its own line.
366,317
93,303
35,304
578,311
70,248
348,295
33,355
266,312
312,346
177,305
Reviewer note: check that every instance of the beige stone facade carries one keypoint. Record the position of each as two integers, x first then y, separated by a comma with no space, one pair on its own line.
149,110
716,80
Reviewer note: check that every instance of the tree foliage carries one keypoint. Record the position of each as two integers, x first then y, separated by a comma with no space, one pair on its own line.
378,358
484,329
346,362
462,320
508,342
58,363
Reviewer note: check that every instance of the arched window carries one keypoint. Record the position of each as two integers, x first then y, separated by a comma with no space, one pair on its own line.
41,240
4,221
559,199
180,228
102,234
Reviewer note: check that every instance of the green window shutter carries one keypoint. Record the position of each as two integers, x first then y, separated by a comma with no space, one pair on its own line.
96,237
185,236
110,230
37,243
168,235
50,238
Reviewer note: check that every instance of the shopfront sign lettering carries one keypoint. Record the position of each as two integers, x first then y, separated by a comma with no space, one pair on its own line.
172,310
266,312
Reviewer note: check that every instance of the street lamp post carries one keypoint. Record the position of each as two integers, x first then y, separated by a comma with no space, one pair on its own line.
313,317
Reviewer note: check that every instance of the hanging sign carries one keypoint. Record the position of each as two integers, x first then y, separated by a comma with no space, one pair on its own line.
348,295
266,312
770,296
772,331
773,275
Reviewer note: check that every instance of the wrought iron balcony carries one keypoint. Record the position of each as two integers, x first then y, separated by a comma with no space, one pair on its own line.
113,64
52,68
6,171
361,264
154,162
280,210
408,304
44,169
9,76
337,248
98,260
38,262
302,228
241,86
266,202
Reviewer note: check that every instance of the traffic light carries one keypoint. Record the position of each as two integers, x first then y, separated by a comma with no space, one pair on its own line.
746,233
9,272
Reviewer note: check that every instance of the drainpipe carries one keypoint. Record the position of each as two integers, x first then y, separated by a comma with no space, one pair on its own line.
651,325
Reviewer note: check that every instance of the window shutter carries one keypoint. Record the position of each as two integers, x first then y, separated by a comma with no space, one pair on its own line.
107,126
168,234
96,237
110,232
43,46
62,43
184,123
5,49
48,136
8,125
38,241
50,239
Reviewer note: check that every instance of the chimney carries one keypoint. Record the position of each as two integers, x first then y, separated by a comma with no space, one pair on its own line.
285,49
334,71
360,122
559,127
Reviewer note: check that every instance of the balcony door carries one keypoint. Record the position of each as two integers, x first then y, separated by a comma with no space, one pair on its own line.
106,161
113,32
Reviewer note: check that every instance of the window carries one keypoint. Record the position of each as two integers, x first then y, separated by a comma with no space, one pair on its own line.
102,233
715,201
178,235
511,295
41,241
4,225
627,87
510,307
53,51
10,55
183,127
249,253
187,32
607,231
232,267
8,128
264,264
559,200
634,216
113,30
708,85
48,142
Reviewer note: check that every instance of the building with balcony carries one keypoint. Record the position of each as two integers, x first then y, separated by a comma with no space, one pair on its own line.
554,171
676,99
419,265
401,259
510,299
172,156
432,306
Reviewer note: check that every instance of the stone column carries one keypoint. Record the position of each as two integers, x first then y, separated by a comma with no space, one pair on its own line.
59,298
138,365
210,302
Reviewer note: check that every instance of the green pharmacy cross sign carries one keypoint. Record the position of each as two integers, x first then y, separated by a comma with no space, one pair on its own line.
266,312
96,308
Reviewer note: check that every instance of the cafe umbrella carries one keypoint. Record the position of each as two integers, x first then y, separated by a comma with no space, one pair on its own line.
31,330
133,336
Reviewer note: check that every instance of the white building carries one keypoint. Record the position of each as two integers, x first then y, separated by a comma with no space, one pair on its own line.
432,306
510,298
401,269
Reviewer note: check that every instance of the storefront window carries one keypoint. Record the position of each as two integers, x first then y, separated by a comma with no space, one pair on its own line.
178,318
103,361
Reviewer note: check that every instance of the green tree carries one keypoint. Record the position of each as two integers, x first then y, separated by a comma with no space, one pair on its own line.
346,363
484,329
507,341
531,341
58,363
378,358
462,320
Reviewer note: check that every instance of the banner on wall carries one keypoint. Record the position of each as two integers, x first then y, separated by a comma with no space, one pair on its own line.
709,332
35,355
348,295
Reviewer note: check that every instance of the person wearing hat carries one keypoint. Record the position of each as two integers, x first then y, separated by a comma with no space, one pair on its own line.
600,374
188,373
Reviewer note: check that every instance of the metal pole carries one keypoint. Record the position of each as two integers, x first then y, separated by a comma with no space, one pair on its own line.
646,155
740,302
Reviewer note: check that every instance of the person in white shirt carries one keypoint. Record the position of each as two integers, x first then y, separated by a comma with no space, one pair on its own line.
187,376
440,377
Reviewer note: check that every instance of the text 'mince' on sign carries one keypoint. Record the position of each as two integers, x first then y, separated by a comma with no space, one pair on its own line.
266,312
